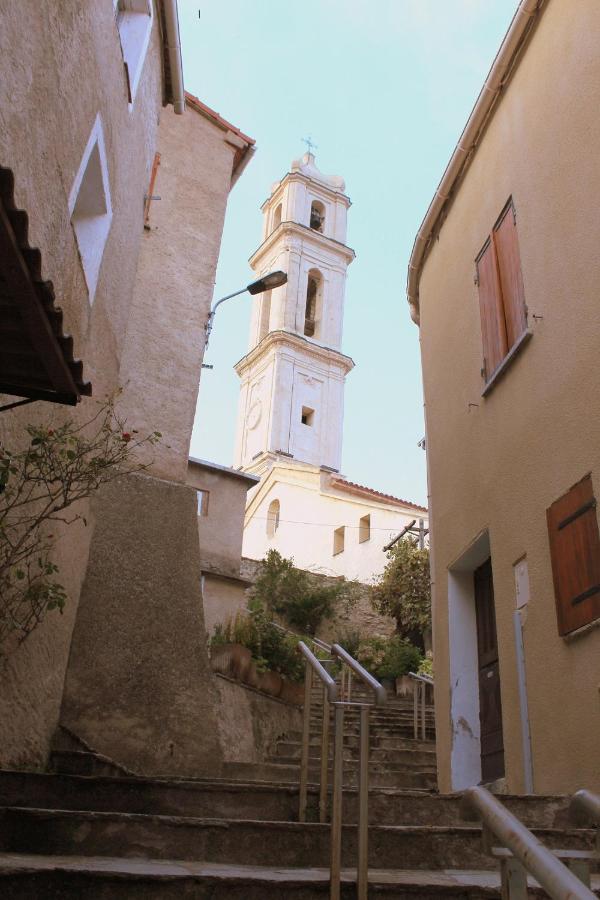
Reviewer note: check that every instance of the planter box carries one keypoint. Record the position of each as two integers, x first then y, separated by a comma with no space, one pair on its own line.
293,692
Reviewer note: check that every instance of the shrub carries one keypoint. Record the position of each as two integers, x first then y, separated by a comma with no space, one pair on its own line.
404,590
400,658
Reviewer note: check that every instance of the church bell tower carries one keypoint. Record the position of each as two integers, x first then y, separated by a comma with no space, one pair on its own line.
292,378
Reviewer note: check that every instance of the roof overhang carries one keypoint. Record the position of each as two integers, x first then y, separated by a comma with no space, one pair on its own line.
36,357
524,21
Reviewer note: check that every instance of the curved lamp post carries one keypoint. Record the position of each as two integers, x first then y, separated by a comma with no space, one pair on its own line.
266,283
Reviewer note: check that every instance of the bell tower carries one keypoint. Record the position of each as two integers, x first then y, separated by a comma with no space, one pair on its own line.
292,378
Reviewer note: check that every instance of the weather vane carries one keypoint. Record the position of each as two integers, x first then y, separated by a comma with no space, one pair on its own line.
309,143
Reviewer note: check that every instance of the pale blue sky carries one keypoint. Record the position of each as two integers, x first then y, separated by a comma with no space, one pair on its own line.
384,87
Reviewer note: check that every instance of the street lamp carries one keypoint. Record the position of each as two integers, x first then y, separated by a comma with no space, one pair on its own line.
272,280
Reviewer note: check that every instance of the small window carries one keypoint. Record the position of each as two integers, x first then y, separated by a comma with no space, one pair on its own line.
90,207
575,555
273,518
134,22
308,416
317,216
364,529
202,502
501,292
338,540
277,217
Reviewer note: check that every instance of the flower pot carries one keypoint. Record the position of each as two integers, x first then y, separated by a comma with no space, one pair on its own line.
270,683
251,676
293,692
241,658
389,684
220,658
404,686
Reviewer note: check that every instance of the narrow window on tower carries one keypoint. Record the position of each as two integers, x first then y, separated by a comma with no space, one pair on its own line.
308,416
317,216
265,315
277,218
313,303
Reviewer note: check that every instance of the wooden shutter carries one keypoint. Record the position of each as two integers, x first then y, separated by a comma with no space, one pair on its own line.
506,244
575,554
493,329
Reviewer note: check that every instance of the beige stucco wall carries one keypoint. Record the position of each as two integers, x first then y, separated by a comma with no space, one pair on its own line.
499,465
220,532
222,599
161,365
61,66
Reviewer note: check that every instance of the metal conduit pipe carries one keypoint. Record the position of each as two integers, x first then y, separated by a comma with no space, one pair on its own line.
174,51
554,877
523,20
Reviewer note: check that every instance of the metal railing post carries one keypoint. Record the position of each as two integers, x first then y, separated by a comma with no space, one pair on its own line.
336,804
423,710
324,758
416,690
362,873
305,743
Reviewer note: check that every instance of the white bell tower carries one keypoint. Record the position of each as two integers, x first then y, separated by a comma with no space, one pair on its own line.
292,378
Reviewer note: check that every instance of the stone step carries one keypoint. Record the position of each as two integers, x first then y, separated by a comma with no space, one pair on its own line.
249,842
351,751
219,798
351,764
378,776
384,740
23,877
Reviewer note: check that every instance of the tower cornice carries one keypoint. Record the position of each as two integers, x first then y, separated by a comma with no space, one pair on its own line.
317,184
295,342
295,229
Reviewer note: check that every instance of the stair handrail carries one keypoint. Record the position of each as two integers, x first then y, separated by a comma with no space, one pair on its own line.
584,809
555,878
353,664
420,702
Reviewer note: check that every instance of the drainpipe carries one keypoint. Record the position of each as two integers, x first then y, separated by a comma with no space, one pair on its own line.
174,50
520,26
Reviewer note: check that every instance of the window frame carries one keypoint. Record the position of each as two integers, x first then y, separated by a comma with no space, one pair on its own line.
364,529
134,48
337,534
203,500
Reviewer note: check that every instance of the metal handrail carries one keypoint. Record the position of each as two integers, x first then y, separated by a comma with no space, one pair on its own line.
377,688
331,697
554,877
584,808
420,702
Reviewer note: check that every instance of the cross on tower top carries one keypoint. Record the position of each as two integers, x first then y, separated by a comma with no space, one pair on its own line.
309,143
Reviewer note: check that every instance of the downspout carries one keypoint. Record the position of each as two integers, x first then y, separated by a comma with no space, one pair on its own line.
174,51
520,27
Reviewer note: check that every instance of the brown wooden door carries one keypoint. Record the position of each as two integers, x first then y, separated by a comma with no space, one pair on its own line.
490,706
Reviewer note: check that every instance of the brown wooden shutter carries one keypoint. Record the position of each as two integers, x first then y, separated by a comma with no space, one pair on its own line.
575,554
506,243
148,198
493,329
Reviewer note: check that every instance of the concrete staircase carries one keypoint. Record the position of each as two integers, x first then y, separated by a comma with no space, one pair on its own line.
91,831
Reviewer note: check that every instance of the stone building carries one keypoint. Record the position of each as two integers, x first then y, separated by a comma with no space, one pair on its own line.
86,150
291,407
503,283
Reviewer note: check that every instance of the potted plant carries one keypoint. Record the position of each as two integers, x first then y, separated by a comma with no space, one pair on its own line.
400,658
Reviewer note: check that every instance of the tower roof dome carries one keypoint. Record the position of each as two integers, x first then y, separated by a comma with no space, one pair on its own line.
307,166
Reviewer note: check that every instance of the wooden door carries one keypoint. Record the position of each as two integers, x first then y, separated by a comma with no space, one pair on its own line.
490,706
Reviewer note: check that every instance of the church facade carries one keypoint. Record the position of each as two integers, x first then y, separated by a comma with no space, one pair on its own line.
291,407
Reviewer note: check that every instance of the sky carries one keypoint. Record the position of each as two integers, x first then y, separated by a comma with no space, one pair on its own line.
384,88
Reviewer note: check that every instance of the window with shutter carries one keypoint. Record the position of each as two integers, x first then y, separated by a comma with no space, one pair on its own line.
501,293
575,554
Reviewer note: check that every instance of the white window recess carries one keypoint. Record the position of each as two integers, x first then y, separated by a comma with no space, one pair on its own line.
134,22
90,206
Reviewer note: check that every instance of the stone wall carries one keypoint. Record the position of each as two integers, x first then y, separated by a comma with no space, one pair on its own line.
360,617
250,722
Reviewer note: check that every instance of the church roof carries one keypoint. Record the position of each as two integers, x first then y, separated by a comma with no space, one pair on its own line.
307,166
360,489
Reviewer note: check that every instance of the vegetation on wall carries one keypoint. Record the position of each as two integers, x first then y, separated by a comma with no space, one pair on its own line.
300,599
39,487
388,657
272,648
404,591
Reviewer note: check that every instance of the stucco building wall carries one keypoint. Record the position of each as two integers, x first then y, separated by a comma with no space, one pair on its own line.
310,510
497,466
61,66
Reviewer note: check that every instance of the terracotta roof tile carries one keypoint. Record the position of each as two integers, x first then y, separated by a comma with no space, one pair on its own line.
360,489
